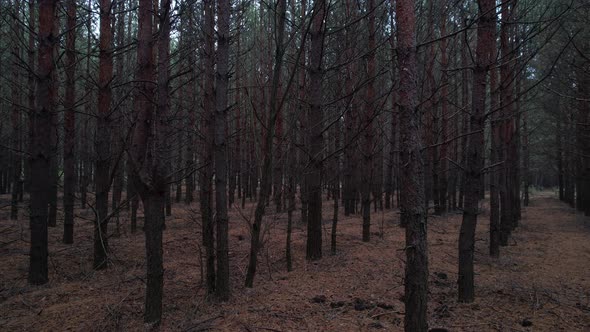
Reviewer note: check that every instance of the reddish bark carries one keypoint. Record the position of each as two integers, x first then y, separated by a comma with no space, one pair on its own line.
150,147
315,133
207,131
222,286
103,139
369,114
70,124
442,165
31,89
303,124
495,157
41,155
349,117
413,200
15,155
474,163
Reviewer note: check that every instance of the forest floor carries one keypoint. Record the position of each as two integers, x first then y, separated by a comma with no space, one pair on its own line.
541,278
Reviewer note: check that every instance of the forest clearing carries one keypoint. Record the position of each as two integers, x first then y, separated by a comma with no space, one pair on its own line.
541,278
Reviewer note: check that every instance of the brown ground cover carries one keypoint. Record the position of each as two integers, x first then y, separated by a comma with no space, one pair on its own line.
542,277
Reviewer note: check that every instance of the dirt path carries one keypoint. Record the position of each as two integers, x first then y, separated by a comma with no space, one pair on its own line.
541,277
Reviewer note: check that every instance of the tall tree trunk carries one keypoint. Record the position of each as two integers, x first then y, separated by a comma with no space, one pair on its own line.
442,164
17,111
103,141
367,173
506,105
474,165
465,116
220,148
238,171
391,165
85,146
70,125
413,200
54,138
207,129
495,158
315,141
41,155
303,123
349,116
336,183
31,90
278,164
192,116
118,136
150,170
274,109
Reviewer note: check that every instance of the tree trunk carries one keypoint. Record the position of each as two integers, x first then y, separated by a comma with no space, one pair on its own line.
442,164
103,141
465,117
265,186
54,139
495,157
41,155
474,165
150,170
367,173
336,183
315,133
220,148
506,105
17,111
207,157
303,124
85,139
192,118
413,200
153,203
70,125
31,90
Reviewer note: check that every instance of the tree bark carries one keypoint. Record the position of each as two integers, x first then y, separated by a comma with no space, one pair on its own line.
70,125
208,231
474,165
103,141
31,89
220,149
495,157
369,114
16,154
443,185
315,133
413,200
41,155
274,109
506,105
54,139
150,150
